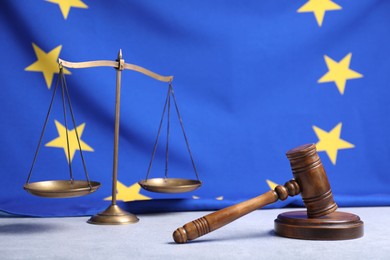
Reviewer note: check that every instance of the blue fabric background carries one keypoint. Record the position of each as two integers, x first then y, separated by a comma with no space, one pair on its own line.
246,79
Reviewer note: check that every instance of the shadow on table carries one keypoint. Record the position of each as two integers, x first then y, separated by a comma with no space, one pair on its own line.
26,228
253,235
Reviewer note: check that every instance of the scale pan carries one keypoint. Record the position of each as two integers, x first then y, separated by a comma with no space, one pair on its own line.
170,185
61,188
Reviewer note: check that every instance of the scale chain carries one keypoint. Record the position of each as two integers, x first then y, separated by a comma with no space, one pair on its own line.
157,138
43,131
184,133
75,127
165,109
66,124
168,131
64,92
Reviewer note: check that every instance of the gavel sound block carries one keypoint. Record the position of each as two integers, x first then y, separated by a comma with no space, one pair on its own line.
319,222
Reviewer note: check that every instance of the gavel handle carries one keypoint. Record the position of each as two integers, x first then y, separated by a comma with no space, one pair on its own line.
220,218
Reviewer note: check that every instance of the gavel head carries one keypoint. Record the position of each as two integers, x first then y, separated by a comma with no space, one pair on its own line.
310,175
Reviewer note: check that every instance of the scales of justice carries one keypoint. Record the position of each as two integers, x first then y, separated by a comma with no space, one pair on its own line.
113,215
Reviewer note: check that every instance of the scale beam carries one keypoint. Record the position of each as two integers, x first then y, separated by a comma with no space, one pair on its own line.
114,64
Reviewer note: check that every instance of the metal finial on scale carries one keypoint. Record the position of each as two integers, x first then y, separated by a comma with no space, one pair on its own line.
121,61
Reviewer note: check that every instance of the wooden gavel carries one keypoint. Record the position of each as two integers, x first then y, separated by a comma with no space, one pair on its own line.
310,181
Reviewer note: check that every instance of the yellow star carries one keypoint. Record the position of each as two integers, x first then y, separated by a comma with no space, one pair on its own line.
65,5
271,184
46,63
131,193
61,141
339,72
330,142
319,7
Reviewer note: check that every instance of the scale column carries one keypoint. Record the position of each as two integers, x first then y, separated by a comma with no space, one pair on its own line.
114,215
116,128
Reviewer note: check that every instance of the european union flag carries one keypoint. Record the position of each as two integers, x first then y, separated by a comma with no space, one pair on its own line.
253,79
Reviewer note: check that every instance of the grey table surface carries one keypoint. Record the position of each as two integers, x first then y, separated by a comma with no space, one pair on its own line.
250,237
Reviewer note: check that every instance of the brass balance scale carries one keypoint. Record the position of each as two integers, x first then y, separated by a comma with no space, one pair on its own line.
113,215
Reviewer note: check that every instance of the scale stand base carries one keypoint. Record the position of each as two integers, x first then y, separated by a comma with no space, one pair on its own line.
334,226
113,215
